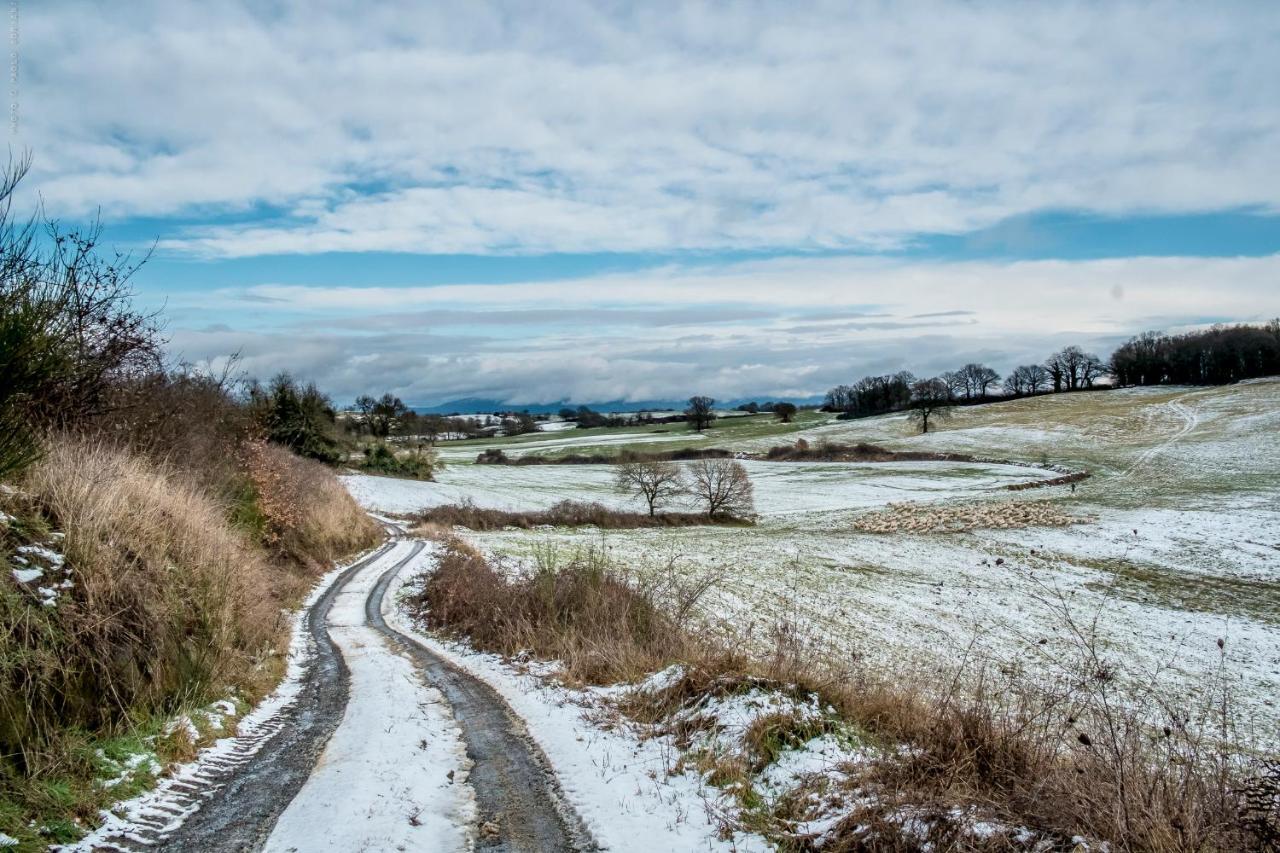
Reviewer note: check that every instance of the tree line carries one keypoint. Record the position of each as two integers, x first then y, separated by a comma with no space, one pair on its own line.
1214,356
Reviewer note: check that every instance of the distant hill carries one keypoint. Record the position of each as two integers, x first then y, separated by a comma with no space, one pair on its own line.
478,405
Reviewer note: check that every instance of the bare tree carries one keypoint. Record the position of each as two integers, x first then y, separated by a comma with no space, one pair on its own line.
701,412
1015,384
1037,378
383,413
723,487
930,399
1057,371
656,482
432,426
784,411
1026,379
364,405
1074,368
974,378
1091,369
955,382
983,378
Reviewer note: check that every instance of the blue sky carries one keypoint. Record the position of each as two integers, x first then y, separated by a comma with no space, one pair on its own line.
598,201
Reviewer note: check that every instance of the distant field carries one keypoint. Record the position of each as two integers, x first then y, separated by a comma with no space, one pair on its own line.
1178,543
727,432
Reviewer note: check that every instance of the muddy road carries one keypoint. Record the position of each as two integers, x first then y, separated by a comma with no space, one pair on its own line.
377,743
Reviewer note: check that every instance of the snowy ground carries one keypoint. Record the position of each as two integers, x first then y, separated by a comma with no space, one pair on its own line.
1181,546
396,766
781,488
619,785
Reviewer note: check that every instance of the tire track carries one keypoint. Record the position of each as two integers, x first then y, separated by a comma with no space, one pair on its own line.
1190,420
519,801
228,800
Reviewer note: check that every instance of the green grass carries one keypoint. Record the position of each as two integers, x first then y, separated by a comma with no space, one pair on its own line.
1254,598
59,805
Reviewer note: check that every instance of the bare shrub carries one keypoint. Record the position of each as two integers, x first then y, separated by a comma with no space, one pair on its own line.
562,514
310,519
604,626
722,486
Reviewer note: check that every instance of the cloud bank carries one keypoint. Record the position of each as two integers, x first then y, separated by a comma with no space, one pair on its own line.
478,127
829,140
780,328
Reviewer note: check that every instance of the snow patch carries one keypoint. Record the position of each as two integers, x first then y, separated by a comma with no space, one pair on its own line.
27,575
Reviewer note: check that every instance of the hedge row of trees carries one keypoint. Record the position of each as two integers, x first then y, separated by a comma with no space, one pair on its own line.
1069,369
1212,357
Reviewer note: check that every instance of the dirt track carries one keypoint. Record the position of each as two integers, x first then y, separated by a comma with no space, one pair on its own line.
515,790
234,803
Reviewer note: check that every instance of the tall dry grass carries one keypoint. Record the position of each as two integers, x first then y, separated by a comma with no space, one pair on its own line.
168,603
1084,755
602,626
310,519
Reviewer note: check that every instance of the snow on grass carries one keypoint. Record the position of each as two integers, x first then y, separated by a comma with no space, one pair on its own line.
27,575
781,488
54,562
620,786
396,763
53,558
524,447
1181,546
126,768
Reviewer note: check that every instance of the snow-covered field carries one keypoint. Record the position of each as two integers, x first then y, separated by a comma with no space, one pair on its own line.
780,488
571,442
1179,545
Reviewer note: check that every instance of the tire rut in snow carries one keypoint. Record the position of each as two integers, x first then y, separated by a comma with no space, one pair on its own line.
517,796
243,808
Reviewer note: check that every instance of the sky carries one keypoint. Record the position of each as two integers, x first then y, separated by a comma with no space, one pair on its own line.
590,201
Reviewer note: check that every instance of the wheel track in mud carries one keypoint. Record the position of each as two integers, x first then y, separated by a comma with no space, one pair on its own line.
1190,420
232,803
516,790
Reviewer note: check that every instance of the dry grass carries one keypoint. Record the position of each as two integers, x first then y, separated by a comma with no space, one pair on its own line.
310,519
602,626
169,605
562,514
1083,755
168,601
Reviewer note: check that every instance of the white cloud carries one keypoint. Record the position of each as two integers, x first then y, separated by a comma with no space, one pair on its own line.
483,127
776,328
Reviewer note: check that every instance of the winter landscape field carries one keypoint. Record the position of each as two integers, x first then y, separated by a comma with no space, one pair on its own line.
494,427
1174,541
